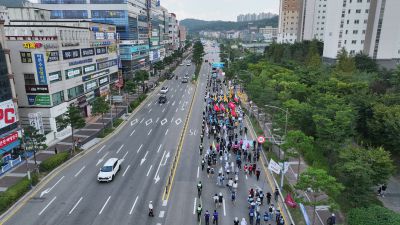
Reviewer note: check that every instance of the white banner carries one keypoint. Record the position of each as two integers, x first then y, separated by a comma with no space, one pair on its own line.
273,166
285,169
7,113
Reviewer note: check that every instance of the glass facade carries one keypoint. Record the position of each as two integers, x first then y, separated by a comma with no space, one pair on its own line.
69,14
108,14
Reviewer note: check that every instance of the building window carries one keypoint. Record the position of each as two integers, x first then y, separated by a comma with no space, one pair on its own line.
365,21
358,10
363,31
354,42
362,41
356,21
355,31
346,31
352,52
26,57
359,1
58,98
29,79
75,92
367,11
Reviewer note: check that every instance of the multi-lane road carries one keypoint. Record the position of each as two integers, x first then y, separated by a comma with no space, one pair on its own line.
147,143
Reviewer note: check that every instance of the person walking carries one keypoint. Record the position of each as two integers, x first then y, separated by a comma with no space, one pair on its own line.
251,216
258,172
207,217
243,222
215,217
276,194
269,196
331,220
199,211
236,221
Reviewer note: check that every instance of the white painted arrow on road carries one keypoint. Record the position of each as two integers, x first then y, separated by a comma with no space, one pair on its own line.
135,121
49,189
102,158
164,121
178,121
144,158
157,176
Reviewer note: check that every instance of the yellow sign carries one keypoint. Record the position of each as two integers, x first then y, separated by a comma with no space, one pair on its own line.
32,45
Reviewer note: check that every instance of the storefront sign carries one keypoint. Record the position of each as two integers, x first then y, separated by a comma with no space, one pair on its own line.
55,76
89,68
32,45
95,75
73,72
82,61
91,85
100,43
110,36
7,113
49,45
129,42
103,80
40,69
8,140
87,51
36,89
90,96
99,35
104,91
107,64
39,100
101,50
102,59
71,54
52,56
70,44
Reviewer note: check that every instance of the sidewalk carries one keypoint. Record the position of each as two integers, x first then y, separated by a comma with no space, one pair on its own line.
291,176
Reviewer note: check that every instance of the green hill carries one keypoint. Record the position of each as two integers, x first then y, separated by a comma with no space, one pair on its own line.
194,25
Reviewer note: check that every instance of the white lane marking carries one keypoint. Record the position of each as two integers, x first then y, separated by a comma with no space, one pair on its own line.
163,121
148,105
132,132
150,110
144,158
148,172
101,149
108,199
149,132
175,91
140,148
102,158
178,121
165,202
48,204
126,170
73,208
198,172
49,189
172,120
126,153
223,203
173,103
158,118
141,120
133,122
163,110
161,214
180,102
149,121
166,132
79,171
172,96
176,110
194,206
157,176
159,147
120,148
133,206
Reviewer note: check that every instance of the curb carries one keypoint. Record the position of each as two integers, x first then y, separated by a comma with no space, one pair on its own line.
25,198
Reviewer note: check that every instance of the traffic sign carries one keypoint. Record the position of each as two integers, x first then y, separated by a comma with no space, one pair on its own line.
261,139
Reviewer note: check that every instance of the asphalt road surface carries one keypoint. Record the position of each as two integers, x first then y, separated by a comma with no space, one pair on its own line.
146,144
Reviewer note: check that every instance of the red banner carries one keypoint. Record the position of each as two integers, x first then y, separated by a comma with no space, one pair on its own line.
8,140
290,202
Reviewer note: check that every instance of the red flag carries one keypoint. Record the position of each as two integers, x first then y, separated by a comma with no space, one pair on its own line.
236,99
216,108
221,106
231,105
290,202
233,113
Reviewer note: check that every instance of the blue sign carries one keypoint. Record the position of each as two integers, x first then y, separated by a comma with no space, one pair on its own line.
218,65
305,215
40,69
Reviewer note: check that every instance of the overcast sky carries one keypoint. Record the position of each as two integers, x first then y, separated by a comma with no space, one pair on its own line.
218,9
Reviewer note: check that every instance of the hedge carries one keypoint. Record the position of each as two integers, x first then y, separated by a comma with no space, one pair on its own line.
53,162
13,193
373,215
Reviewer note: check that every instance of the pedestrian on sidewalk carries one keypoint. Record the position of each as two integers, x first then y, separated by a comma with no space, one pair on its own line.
215,217
243,222
258,172
331,220
276,193
236,221
251,216
269,195
55,150
207,217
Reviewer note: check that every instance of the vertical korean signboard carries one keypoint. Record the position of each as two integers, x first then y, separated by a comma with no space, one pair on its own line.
40,69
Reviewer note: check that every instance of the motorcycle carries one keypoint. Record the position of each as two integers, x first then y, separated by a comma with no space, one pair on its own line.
151,213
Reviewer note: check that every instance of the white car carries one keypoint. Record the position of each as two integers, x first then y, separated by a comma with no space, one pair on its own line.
109,170
181,64
164,90
188,64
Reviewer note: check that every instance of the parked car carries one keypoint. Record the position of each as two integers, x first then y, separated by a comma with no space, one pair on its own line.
170,76
185,79
188,64
162,99
164,90
109,170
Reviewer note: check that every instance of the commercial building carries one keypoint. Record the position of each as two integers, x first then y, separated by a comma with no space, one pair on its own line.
59,63
290,21
173,30
364,26
9,128
182,36
156,34
270,33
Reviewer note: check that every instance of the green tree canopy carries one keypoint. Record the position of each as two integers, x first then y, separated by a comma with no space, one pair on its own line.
73,118
100,107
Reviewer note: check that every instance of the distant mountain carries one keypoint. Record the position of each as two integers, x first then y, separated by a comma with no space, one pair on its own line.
194,25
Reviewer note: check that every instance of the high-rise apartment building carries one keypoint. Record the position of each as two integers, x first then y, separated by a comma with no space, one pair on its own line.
290,21
173,30
367,26
313,19
254,17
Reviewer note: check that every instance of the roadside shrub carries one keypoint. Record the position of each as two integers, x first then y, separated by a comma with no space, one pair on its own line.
105,132
117,122
53,162
373,215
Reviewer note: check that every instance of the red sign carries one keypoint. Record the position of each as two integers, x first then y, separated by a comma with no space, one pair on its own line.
7,113
261,139
8,140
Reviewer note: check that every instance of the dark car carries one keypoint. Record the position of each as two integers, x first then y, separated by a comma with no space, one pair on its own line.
170,76
162,99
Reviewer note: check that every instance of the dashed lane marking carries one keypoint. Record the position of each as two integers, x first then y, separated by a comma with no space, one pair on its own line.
140,148
127,168
105,204
148,172
133,206
48,204
73,208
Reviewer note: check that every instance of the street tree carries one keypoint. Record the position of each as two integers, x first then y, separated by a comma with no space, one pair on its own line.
141,76
100,107
74,119
34,139
130,86
158,66
319,183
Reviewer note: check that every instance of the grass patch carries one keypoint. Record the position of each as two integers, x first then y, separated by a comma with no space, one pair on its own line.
117,122
53,162
13,193
105,132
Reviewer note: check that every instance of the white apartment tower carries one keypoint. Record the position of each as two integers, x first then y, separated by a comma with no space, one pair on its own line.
314,19
290,21
368,26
